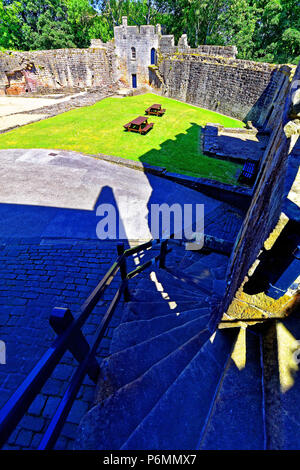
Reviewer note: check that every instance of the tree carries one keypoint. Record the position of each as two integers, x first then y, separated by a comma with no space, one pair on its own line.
10,25
101,29
290,45
81,16
277,31
265,30
41,24
235,25
174,16
144,12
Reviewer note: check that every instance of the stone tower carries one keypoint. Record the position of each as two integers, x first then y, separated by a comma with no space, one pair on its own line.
136,49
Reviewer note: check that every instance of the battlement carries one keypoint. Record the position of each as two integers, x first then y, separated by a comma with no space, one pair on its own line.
95,43
136,49
165,43
143,30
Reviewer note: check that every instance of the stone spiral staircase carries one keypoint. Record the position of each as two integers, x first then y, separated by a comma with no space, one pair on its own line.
169,383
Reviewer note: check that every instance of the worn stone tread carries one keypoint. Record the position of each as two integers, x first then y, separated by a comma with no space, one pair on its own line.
135,310
108,424
176,421
126,365
232,427
135,332
147,295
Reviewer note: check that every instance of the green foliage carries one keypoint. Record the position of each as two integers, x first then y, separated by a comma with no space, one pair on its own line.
10,24
264,30
101,29
277,32
81,17
35,24
235,25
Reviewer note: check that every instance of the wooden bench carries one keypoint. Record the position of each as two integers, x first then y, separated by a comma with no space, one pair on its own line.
140,125
155,110
147,128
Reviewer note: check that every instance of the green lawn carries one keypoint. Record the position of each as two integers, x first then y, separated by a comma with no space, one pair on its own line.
172,143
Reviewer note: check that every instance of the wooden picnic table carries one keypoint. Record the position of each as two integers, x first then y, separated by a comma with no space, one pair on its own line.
140,124
155,110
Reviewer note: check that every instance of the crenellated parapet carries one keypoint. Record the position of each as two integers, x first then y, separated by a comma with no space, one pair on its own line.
138,47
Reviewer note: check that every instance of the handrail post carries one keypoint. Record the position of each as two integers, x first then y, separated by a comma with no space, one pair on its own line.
123,271
163,254
60,320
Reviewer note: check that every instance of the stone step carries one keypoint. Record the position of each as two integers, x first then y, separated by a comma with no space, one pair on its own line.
145,311
176,421
205,285
109,424
236,420
175,256
126,365
168,280
147,295
205,282
210,285
282,383
180,257
213,261
201,271
190,258
135,332
173,288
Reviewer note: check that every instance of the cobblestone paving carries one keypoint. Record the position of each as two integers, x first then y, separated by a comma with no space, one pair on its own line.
36,276
223,223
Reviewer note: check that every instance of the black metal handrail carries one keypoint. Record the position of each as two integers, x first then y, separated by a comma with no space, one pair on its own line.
70,337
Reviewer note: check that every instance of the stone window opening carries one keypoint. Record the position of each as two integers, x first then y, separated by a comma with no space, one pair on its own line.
133,53
153,56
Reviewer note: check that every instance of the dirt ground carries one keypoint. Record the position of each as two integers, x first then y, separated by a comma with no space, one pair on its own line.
16,111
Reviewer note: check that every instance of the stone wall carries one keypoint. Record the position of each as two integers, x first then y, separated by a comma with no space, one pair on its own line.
130,53
167,46
133,46
145,38
242,89
272,189
56,70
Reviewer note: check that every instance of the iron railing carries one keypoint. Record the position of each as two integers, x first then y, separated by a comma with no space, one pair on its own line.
70,337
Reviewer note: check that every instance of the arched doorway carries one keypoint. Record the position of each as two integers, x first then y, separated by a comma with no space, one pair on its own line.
134,80
153,56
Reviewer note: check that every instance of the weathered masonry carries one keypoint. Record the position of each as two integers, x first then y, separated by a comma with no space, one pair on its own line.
56,70
136,49
243,89
208,76
266,250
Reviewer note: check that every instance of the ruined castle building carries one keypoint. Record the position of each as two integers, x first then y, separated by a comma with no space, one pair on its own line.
184,388
207,76
136,49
